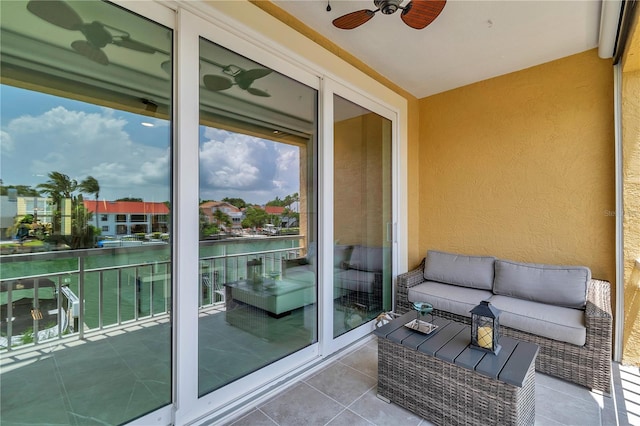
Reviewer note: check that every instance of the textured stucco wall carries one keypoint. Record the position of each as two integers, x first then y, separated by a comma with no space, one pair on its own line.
522,166
413,171
360,189
631,194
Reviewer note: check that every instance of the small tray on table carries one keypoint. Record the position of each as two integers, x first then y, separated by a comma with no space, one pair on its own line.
421,326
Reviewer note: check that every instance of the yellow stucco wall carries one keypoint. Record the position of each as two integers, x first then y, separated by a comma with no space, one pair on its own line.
359,187
522,166
631,194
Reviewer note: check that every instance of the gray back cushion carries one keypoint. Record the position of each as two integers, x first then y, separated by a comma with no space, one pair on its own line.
552,284
341,254
366,258
467,271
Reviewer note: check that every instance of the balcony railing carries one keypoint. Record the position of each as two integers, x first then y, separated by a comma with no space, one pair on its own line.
86,291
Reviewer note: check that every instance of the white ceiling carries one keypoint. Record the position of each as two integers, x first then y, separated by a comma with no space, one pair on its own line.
471,40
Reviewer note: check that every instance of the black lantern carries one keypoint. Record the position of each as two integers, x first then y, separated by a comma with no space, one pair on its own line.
485,327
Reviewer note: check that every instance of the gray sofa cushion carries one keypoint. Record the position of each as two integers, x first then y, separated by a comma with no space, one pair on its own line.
341,254
556,285
355,280
303,273
553,322
446,297
467,271
366,258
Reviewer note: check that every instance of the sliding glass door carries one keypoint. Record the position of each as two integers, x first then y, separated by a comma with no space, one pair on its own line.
362,215
85,274
257,286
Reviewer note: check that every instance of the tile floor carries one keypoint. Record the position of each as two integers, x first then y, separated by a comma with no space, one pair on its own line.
344,393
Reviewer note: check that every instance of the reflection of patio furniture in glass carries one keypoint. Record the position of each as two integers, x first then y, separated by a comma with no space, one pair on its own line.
260,308
360,280
277,298
357,274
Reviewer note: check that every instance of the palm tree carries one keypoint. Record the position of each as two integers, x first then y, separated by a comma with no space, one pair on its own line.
59,187
90,185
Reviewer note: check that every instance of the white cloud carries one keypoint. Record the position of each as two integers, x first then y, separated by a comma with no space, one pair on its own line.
128,159
233,161
6,142
80,144
257,170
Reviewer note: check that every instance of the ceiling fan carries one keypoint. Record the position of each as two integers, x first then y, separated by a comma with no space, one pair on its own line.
241,78
97,34
416,14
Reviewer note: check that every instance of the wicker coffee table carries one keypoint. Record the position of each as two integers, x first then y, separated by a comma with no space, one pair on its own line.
440,378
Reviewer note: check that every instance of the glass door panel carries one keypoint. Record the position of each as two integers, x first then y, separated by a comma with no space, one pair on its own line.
257,287
85,295
362,215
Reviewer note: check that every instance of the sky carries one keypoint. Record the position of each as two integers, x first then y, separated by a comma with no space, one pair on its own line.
41,133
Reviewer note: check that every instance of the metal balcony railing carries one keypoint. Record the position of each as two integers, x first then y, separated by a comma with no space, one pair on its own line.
83,293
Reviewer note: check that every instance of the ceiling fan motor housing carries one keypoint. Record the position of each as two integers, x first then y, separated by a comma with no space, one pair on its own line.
387,7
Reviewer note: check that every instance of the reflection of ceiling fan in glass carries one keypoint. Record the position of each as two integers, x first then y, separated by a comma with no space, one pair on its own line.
241,78
97,35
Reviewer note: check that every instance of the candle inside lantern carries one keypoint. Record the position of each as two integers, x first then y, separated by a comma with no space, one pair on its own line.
485,337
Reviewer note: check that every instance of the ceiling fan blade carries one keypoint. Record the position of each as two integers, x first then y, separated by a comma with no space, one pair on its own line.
258,92
127,42
246,78
85,48
420,13
353,19
56,12
167,67
216,82
253,74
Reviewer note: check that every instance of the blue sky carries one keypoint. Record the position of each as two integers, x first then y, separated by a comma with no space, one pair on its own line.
42,133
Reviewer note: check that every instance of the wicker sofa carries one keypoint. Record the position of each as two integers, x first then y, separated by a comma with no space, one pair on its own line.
560,308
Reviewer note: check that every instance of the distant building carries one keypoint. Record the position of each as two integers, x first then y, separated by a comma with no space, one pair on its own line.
8,211
279,214
129,217
274,210
13,206
209,209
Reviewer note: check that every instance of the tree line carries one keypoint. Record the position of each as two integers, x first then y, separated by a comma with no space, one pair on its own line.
254,216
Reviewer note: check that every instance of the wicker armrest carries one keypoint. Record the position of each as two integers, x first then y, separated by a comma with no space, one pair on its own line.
595,363
598,314
599,299
404,283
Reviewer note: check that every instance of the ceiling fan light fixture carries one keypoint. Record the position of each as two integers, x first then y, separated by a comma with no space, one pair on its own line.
96,34
388,7
232,70
89,51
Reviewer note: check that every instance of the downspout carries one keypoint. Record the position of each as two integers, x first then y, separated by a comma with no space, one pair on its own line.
608,45
619,294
